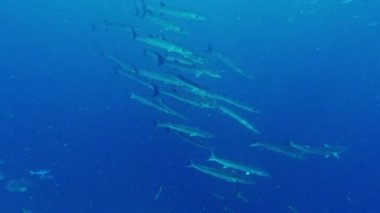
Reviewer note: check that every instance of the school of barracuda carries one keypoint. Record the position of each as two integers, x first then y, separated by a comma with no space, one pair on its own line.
181,61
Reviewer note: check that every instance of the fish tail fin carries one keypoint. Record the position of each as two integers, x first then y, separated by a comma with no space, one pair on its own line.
134,33
156,89
144,11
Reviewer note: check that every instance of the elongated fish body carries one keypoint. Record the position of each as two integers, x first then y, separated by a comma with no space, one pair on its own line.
170,59
220,173
159,76
247,169
198,144
118,61
198,59
148,75
235,103
196,70
165,24
188,130
326,150
197,102
165,45
280,149
160,106
180,60
164,10
208,94
239,119
200,103
169,109
228,62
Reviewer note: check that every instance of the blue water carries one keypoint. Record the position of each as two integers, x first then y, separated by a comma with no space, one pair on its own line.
316,80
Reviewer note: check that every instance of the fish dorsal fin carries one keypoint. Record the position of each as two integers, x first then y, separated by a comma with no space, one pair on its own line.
135,70
156,89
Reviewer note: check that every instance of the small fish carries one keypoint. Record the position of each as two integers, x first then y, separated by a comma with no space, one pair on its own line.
39,172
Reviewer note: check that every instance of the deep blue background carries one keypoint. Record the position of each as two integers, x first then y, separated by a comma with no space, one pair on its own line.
316,80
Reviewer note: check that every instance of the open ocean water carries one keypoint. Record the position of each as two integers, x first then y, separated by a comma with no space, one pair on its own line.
72,139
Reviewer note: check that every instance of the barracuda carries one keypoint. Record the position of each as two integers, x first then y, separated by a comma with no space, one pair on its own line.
165,24
246,169
325,150
285,150
188,130
239,119
220,173
196,70
162,44
164,10
158,105
228,62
